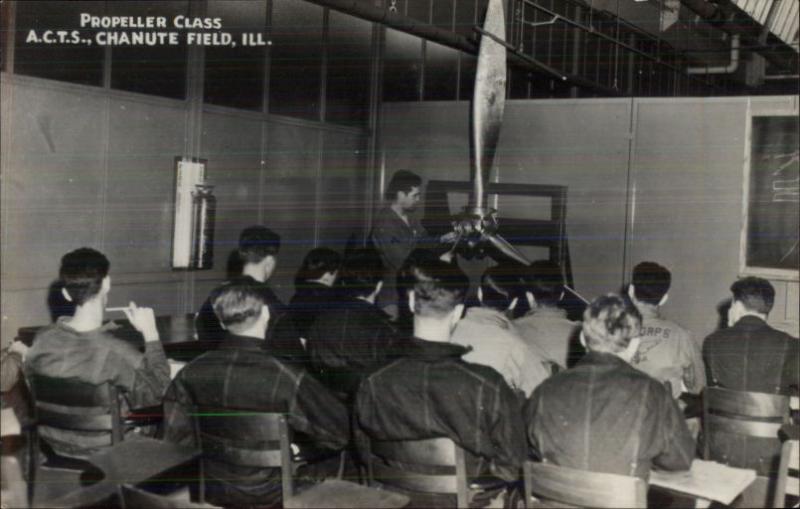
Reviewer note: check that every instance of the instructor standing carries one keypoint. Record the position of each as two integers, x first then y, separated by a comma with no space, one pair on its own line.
397,231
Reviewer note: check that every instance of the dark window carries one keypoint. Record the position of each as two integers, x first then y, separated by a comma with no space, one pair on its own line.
401,66
442,14
465,17
234,76
419,10
77,63
156,70
5,10
349,58
295,59
441,72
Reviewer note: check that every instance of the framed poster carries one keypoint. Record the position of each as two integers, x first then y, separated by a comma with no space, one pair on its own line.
771,205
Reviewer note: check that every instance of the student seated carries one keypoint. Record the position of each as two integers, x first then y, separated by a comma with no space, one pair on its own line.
666,351
80,347
258,253
432,392
750,356
245,373
314,288
493,339
546,326
603,415
355,337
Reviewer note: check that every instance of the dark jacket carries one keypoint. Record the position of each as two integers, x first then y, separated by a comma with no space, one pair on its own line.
281,334
750,356
243,374
433,393
394,240
97,357
309,301
349,342
603,415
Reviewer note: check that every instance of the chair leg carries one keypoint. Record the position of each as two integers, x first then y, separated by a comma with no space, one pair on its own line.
342,462
33,462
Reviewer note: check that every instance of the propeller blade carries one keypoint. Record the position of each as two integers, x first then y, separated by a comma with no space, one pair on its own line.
506,248
488,100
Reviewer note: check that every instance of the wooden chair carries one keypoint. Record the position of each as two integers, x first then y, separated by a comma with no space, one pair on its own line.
751,414
433,466
787,483
68,405
581,488
268,443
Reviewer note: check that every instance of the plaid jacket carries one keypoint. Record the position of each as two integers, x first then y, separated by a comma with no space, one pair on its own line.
603,415
243,374
433,393
97,357
350,341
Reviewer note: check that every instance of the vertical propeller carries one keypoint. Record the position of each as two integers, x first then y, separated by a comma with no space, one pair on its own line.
478,225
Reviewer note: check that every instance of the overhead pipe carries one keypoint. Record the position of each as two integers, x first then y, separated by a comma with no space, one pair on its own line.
721,69
720,16
362,9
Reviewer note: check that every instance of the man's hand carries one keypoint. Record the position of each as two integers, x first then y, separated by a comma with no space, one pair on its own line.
449,238
19,348
143,320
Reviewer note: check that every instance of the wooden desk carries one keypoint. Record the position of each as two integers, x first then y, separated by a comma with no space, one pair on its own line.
131,462
176,332
707,481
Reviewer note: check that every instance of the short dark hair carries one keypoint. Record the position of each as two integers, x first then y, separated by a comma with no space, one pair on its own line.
317,263
402,180
610,322
362,270
501,284
438,287
755,293
546,282
650,282
258,242
237,304
82,272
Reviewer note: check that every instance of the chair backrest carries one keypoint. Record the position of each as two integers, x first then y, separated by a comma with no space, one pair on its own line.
581,488
434,465
752,414
70,404
788,482
246,437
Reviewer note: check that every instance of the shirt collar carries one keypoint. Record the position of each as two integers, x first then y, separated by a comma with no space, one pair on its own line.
602,359
236,342
548,312
649,311
750,322
61,323
435,350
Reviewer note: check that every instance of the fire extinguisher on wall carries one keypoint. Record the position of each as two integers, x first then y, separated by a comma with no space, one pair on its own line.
204,206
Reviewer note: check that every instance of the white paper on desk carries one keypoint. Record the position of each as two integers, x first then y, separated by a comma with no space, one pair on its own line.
708,480
174,368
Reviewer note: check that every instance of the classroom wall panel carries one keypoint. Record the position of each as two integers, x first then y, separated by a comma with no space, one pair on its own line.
52,198
687,176
289,194
687,173
232,146
343,184
143,141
